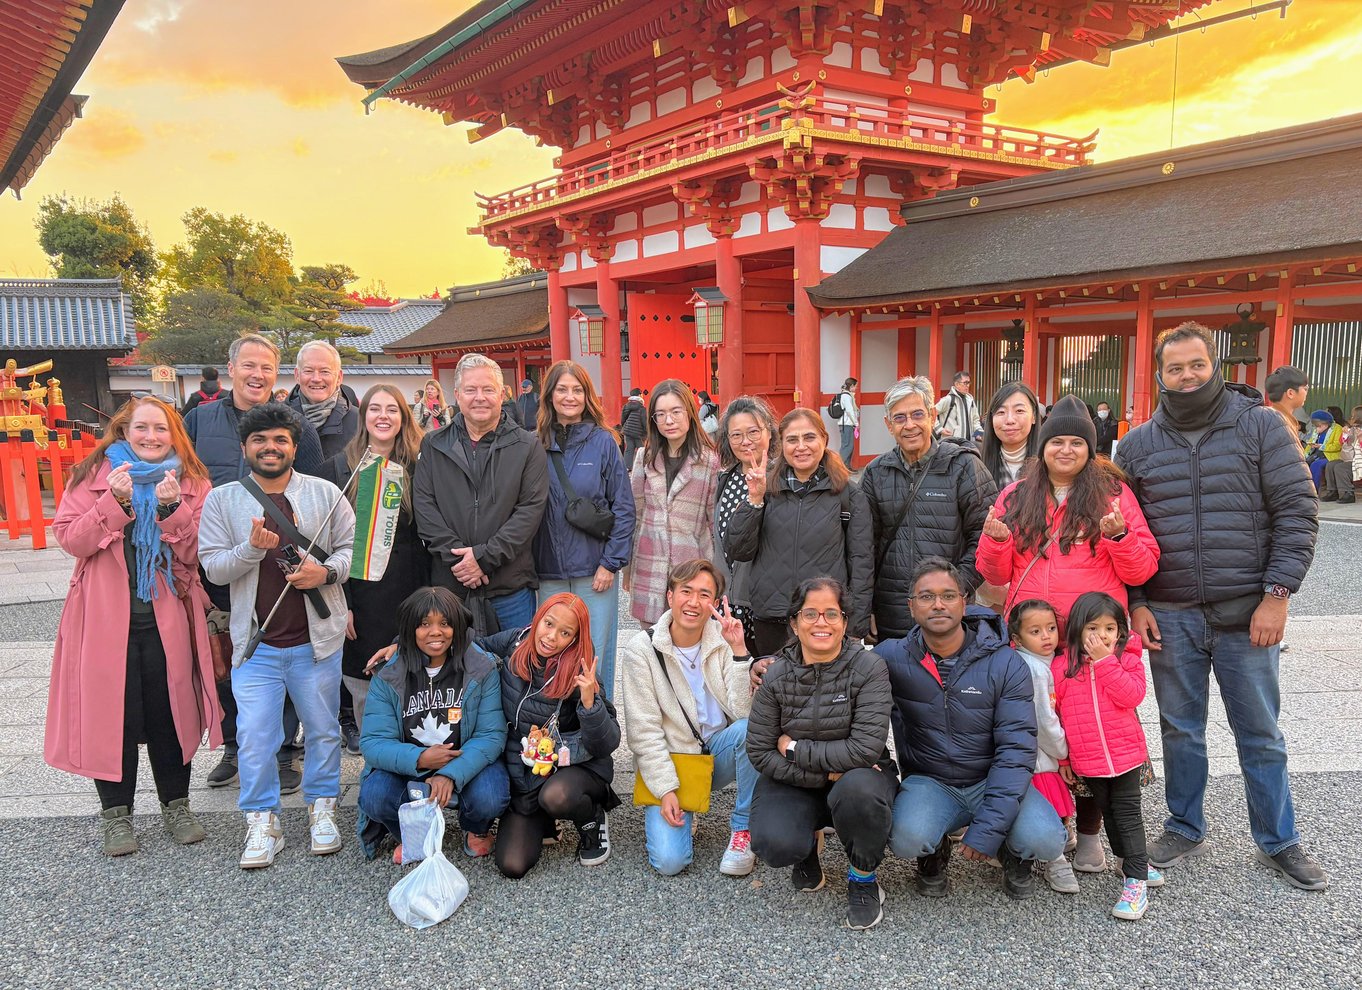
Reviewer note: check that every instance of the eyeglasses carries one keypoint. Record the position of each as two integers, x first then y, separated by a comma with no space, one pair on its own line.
945,598
665,415
830,615
901,419
751,436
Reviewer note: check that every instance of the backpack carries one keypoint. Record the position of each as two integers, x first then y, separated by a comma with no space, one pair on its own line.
835,406
208,396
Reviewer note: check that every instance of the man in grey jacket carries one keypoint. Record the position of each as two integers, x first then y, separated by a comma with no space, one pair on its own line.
248,548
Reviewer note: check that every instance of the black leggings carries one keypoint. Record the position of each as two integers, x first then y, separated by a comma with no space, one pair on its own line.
1119,800
147,716
1089,815
860,806
573,793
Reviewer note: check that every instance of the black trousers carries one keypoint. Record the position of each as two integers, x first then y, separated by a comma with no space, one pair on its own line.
572,793
860,806
147,716
1119,799
1088,815
287,752
770,636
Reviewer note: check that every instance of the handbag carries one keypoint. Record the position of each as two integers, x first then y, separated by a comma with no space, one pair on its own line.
582,513
695,771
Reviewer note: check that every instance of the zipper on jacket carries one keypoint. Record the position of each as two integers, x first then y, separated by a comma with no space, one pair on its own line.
1097,717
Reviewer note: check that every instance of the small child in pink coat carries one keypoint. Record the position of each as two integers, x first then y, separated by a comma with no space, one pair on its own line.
1099,684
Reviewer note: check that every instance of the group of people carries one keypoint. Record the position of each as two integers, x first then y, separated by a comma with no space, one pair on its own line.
990,603
1330,439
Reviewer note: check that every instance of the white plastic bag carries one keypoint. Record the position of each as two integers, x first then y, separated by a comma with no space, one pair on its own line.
434,890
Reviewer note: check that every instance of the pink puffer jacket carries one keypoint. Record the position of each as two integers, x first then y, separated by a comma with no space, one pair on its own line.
1097,708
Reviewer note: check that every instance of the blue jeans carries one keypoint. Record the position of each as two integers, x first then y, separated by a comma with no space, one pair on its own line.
848,444
926,810
516,610
259,685
604,608
670,847
1248,680
480,803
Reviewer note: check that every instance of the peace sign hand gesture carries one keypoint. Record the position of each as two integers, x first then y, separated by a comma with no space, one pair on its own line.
585,682
995,528
730,626
756,481
1113,523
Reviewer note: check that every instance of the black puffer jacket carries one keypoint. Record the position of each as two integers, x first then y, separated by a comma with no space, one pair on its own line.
981,724
591,734
1232,514
945,520
838,712
793,537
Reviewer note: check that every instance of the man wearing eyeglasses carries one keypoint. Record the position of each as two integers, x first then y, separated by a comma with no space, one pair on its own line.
929,497
957,414
964,723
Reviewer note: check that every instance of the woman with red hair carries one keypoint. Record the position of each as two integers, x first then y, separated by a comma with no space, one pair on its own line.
563,732
132,661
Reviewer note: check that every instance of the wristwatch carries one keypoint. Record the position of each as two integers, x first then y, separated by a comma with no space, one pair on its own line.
789,749
1278,591
332,575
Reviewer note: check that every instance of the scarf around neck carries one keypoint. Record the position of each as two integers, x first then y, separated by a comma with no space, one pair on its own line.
1197,409
152,553
317,413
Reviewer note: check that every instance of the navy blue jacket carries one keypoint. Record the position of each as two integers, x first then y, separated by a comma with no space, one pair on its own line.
979,725
212,429
595,468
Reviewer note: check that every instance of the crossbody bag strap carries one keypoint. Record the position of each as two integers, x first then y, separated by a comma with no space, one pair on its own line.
662,662
903,514
285,524
557,458
1016,585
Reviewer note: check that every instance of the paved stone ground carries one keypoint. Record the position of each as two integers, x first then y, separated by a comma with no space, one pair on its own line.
188,917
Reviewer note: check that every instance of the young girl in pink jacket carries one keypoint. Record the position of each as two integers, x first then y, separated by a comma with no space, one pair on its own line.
1099,684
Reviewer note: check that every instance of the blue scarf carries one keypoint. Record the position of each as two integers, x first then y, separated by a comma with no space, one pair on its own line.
153,554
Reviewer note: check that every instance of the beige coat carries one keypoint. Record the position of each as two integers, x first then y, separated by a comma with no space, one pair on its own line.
653,715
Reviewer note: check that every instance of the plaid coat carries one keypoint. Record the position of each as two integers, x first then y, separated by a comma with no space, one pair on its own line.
673,527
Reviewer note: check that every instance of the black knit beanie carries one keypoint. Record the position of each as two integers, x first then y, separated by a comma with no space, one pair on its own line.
1069,418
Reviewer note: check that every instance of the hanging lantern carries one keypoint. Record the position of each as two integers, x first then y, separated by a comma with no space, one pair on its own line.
590,320
1243,336
709,316
1015,336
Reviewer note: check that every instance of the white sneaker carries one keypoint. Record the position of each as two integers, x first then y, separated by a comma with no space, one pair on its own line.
326,837
264,838
739,859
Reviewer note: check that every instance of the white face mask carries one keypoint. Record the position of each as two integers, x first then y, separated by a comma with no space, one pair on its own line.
1102,414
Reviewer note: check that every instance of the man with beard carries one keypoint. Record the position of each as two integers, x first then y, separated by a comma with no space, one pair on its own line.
1229,498
300,648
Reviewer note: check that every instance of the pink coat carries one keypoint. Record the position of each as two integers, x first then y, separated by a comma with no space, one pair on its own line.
85,700
1059,578
1097,708
673,527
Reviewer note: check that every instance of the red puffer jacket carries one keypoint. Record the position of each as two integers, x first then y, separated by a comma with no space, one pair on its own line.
1059,578
1097,708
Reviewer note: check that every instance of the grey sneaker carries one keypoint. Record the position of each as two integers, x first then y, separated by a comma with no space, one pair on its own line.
180,822
116,824
1297,866
1170,849
1060,876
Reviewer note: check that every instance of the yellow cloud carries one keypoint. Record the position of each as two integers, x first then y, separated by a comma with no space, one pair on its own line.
300,148
106,133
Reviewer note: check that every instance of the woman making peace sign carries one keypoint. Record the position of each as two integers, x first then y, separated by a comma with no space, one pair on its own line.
803,517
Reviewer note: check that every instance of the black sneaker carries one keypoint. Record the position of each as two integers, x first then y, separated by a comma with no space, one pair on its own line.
865,902
593,845
1297,866
350,737
290,780
1019,882
807,875
931,871
1170,849
224,773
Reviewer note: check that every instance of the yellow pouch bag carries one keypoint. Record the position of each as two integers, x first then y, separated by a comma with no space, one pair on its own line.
694,770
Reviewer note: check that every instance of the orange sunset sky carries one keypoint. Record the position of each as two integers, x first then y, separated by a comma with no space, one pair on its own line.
239,107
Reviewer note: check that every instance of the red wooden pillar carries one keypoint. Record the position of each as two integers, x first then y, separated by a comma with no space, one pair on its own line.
934,356
1031,348
1284,326
1144,354
728,275
808,272
612,371
560,343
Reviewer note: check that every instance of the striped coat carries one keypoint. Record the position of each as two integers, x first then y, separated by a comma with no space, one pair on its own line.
673,527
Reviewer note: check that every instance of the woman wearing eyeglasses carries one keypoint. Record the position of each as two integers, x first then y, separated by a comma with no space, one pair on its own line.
674,485
803,516
816,734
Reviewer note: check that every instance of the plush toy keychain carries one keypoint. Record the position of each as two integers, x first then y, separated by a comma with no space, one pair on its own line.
540,749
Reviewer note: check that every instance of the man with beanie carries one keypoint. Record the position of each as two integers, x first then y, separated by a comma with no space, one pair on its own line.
633,426
527,406
1228,496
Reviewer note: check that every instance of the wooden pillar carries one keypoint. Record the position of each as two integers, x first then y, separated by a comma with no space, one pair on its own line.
1031,356
612,372
1144,354
935,359
728,275
560,342
807,272
1284,326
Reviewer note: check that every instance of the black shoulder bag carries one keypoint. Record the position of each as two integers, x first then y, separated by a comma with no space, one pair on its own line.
582,513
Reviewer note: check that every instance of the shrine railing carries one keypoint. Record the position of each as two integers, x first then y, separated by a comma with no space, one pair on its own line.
838,119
